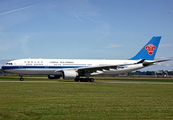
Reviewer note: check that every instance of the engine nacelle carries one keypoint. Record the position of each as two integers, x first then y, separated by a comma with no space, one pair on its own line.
54,76
69,74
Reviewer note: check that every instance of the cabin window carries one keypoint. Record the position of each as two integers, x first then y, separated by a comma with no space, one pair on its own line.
9,63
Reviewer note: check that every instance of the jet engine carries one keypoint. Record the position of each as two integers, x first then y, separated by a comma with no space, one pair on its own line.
69,74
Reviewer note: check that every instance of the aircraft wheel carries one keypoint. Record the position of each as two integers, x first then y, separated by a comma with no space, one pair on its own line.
77,79
21,79
82,80
86,79
91,79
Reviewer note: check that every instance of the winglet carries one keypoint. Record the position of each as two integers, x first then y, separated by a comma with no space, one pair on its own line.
148,52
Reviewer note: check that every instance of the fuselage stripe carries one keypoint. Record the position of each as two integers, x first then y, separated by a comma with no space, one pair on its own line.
39,67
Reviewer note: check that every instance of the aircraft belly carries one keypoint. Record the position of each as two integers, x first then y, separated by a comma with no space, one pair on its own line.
32,71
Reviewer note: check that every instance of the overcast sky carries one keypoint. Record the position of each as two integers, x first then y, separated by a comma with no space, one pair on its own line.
84,29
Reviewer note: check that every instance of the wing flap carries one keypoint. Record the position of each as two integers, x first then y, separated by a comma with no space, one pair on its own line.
102,68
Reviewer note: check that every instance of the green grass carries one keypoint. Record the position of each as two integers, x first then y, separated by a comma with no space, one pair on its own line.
70,100
111,79
137,79
17,78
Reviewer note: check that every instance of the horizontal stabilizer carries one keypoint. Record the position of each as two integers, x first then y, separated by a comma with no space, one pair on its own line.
153,62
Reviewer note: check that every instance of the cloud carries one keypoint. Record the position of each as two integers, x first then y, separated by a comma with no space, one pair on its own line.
92,20
82,10
66,54
19,9
113,46
168,65
78,18
161,58
164,45
165,65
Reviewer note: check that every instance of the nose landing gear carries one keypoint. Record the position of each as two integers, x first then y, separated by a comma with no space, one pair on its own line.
21,78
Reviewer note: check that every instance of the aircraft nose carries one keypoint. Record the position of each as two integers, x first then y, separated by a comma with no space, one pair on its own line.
3,67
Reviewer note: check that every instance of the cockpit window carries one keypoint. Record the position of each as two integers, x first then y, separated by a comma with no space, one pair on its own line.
9,63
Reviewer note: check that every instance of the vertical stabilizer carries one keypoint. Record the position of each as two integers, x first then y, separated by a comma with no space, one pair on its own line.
148,52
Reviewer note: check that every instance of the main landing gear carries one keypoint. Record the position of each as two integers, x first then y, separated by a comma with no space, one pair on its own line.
84,79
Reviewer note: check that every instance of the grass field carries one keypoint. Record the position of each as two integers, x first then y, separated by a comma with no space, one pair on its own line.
71,100
138,79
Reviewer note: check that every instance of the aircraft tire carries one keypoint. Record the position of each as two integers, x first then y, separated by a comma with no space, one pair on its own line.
86,79
82,80
77,79
91,79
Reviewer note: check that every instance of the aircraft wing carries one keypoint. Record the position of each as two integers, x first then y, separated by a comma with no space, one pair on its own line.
101,68
106,67
95,68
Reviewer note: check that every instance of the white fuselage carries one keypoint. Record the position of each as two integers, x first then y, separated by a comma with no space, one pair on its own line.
75,68
52,66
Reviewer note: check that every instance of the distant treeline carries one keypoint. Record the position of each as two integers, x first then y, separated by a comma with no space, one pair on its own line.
149,72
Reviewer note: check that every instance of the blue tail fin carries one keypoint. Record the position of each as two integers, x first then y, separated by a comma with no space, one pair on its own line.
148,52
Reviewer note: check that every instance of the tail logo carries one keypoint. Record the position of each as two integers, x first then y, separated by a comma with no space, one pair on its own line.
150,48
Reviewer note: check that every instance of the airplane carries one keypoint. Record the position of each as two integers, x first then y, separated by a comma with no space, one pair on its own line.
77,68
